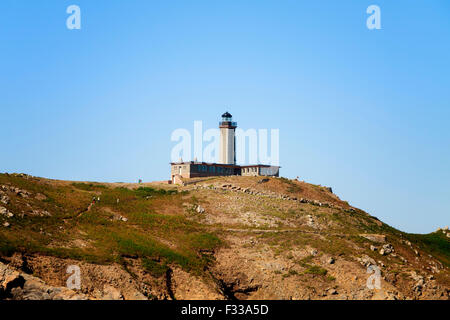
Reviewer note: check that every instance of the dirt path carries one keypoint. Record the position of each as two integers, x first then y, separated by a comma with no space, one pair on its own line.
88,209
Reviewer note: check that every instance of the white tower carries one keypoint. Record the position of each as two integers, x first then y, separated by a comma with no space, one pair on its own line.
227,139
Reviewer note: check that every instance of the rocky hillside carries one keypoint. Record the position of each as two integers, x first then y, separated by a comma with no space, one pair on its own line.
212,238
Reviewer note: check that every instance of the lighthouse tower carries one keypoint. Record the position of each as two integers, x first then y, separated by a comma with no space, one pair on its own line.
227,139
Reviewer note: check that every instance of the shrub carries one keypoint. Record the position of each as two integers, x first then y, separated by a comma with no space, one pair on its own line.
88,186
316,270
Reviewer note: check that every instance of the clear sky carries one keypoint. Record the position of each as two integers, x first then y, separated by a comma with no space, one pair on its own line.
363,111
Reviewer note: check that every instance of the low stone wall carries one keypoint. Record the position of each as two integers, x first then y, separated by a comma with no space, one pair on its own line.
273,195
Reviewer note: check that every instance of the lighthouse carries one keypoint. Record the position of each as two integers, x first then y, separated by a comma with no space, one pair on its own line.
227,160
227,139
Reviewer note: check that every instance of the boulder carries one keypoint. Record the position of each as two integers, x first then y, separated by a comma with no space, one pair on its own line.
40,213
387,249
5,212
111,293
200,209
40,197
4,199
118,217
15,285
366,261
332,291
379,238
22,193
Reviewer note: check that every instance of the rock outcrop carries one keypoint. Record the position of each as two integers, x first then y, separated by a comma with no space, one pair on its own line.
15,285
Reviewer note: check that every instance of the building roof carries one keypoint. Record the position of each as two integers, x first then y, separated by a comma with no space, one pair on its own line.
226,115
259,166
223,165
204,163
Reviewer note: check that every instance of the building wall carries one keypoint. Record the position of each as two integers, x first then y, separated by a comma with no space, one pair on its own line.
271,171
182,169
193,170
227,147
250,171
207,170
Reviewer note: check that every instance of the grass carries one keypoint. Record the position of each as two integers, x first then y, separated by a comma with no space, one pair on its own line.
155,268
316,270
292,272
7,247
203,241
293,187
88,186
330,278
436,243
311,268
157,231
144,192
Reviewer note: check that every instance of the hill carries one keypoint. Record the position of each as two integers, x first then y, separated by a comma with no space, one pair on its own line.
212,238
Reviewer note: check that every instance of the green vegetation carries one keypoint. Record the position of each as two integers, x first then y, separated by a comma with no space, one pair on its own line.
204,241
293,187
147,191
316,270
330,278
155,268
436,243
156,231
88,186
292,272
311,268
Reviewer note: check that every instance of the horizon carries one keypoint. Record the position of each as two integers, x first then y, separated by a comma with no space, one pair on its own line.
362,111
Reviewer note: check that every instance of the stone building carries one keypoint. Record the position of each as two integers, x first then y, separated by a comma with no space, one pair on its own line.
227,165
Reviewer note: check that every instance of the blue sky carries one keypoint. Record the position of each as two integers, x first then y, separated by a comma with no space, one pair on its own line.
363,111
